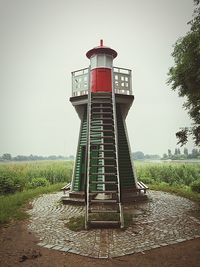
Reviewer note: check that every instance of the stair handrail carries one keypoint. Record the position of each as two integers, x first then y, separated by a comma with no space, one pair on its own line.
116,145
88,157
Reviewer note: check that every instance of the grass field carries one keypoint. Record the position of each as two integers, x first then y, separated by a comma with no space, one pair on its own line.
19,176
179,178
170,173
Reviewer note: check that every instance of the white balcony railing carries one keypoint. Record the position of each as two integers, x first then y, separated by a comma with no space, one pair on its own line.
122,81
80,82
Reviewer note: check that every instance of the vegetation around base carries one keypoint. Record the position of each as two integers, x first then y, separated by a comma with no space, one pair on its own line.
182,179
11,206
19,176
184,191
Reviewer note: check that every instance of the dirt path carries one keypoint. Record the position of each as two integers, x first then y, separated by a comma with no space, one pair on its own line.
18,247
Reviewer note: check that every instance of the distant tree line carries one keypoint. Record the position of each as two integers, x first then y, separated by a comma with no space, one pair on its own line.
139,155
177,155
8,157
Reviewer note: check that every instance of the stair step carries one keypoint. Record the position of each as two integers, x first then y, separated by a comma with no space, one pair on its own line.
100,107
104,191
104,223
105,144
105,173
103,201
96,105
103,182
101,112
106,158
101,124
105,100
102,119
102,137
101,131
101,103
101,116
103,211
104,150
99,165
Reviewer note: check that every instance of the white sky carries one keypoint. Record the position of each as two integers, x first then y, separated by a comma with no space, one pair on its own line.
42,41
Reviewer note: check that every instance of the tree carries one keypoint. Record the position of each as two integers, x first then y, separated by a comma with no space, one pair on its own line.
194,153
176,151
169,153
165,156
185,151
6,156
184,76
138,155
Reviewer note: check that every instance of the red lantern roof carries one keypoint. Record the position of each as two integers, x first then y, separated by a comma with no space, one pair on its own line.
101,50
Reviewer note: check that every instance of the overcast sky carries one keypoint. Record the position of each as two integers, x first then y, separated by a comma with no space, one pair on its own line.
42,41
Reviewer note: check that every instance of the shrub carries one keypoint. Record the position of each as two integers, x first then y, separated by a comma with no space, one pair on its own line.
37,182
7,185
195,186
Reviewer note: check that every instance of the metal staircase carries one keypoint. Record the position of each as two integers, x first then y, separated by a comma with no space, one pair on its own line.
103,199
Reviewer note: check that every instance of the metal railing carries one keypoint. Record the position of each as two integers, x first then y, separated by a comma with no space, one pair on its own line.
80,82
122,81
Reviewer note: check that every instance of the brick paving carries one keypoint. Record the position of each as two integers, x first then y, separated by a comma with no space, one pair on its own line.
162,220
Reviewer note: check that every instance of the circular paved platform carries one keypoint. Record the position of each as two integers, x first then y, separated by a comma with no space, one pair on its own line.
163,220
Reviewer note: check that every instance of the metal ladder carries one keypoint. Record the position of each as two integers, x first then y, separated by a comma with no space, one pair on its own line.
103,199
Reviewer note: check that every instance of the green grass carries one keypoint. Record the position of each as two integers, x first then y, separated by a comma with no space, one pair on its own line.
18,176
76,223
12,206
171,173
176,178
184,191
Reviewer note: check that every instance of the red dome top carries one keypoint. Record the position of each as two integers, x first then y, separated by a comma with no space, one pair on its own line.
101,50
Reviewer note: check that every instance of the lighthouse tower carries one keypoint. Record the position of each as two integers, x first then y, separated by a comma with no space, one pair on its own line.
103,176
